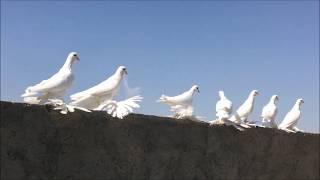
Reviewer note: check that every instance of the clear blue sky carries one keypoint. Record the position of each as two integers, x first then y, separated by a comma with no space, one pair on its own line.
169,46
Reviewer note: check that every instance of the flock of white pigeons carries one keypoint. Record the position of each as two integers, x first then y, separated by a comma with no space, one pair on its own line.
101,97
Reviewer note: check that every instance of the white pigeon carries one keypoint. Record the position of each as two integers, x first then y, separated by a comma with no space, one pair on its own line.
269,113
100,97
243,112
223,107
95,96
181,105
54,87
290,121
223,112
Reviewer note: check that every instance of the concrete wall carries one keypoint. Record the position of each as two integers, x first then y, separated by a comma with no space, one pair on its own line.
40,143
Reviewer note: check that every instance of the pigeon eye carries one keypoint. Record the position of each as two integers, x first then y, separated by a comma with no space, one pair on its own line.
74,55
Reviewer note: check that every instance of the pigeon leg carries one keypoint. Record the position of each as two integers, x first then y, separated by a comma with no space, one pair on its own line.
273,124
264,123
289,130
43,98
245,120
297,129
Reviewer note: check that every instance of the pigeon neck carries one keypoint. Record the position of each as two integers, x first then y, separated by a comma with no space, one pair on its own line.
272,101
296,106
222,96
192,91
118,75
250,98
68,64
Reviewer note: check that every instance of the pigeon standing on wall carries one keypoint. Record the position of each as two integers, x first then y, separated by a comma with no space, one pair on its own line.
269,113
54,87
223,107
243,112
223,112
290,121
181,105
100,97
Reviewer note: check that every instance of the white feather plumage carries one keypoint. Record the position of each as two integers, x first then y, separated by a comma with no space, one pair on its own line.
93,97
54,87
122,108
269,113
290,121
223,107
181,105
243,112
223,112
100,97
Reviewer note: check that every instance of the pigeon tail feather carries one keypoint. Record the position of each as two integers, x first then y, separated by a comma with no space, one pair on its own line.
163,98
31,100
29,92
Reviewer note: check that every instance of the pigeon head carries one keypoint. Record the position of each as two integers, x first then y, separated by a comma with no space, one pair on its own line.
73,56
275,98
195,88
254,93
300,101
221,94
122,70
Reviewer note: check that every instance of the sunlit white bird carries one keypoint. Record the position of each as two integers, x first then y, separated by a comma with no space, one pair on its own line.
54,87
100,97
223,112
104,91
223,107
243,112
269,113
181,105
290,121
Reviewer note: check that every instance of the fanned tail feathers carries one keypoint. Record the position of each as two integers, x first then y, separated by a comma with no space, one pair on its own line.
31,100
29,92
163,98
122,108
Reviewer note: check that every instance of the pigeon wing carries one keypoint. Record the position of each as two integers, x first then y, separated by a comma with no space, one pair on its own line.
224,105
103,89
290,119
57,83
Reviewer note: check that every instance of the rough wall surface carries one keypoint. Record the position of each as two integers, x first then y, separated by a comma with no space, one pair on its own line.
40,143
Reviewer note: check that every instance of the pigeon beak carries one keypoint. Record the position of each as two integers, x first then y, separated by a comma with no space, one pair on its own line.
302,101
198,90
78,58
126,72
